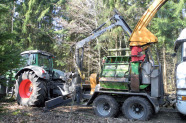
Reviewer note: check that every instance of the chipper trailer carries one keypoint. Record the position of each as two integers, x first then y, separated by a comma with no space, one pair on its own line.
132,83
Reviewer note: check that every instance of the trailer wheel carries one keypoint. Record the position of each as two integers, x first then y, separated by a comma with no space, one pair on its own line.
105,106
137,108
30,90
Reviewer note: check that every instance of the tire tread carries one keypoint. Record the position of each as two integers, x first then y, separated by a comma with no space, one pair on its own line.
40,91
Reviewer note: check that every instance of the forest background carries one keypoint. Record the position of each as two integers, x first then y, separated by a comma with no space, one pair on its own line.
56,25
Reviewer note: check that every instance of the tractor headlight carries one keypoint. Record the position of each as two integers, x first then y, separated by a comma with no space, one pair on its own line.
181,98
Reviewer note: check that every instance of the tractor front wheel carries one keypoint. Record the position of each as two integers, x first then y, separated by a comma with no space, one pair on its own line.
105,106
30,90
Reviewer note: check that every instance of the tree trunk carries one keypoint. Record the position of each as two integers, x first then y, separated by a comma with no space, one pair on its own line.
12,23
164,70
173,75
99,55
89,66
116,46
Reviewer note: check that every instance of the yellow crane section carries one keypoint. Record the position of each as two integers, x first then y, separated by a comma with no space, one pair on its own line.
141,35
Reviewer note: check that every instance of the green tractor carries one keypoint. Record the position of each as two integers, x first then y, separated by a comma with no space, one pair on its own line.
38,81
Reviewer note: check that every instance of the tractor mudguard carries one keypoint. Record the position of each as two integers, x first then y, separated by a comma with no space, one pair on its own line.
39,71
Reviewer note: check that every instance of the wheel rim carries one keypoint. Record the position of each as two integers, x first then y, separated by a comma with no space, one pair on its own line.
25,88
136,111
103,108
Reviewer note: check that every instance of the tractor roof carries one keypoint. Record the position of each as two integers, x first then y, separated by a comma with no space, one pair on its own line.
180,39
37,51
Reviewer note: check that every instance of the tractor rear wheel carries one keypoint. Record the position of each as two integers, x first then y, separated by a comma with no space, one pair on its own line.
30,90
105,106
137,108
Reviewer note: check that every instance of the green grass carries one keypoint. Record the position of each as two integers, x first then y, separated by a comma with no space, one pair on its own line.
16,112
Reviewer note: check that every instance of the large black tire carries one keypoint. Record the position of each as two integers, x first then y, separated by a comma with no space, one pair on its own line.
137,108
30,90
105,106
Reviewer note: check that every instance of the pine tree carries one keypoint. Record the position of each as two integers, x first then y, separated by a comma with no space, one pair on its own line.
9,50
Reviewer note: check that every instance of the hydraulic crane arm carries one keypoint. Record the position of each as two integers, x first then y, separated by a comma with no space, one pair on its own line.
141,35
119,21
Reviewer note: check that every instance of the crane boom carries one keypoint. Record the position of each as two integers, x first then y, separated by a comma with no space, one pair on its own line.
141,35
119,22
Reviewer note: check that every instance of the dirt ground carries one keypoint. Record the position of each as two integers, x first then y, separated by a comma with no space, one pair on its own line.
10,112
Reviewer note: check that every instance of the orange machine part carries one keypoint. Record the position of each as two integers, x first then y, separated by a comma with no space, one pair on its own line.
141,35
93,82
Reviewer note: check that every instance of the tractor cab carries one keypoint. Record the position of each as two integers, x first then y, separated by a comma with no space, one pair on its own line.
38,58
42,59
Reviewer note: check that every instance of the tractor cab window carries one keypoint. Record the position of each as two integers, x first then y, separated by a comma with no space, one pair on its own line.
32,59
24,59
43,61
28,59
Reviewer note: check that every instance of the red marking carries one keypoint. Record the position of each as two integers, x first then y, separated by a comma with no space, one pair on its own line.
43,71
136,54
25,88
136,50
